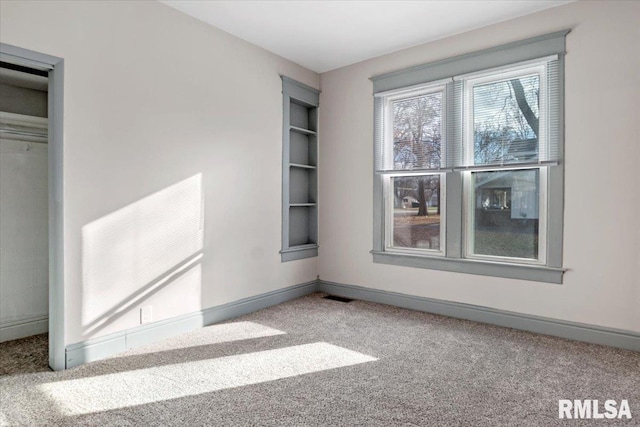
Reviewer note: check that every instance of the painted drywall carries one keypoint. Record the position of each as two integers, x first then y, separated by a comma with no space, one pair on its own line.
24,221
24,238
601,234
152,98
21,100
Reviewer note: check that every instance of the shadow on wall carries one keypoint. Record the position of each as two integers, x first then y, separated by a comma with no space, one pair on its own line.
135,252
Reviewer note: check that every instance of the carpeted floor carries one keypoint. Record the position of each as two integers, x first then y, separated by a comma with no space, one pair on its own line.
25,355
314,361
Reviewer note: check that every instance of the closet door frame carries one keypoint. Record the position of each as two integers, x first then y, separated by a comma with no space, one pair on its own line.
55,68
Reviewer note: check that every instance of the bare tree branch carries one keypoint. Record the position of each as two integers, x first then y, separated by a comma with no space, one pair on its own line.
521,99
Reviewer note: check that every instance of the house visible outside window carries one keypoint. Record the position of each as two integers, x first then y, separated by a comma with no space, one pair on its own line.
468,172
506,114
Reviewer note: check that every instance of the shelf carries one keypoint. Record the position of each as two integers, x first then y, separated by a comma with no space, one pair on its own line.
302,186
299,252
298,165
301,130
299,171
302,224
302,151
300,248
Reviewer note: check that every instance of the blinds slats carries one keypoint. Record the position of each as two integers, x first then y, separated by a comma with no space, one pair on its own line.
413,171
455,124
505,166
554,115
470,168
378,133
506,120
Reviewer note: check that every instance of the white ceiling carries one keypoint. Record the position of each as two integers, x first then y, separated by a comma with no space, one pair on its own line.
324,35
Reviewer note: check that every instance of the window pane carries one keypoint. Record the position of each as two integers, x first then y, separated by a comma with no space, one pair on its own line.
416,212
505,120
506,213
416,132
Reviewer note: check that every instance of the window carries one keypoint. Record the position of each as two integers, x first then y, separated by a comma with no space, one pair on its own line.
414,138
505,113
414,221
468,171
504,222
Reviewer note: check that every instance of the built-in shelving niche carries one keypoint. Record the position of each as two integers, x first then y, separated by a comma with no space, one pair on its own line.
300,171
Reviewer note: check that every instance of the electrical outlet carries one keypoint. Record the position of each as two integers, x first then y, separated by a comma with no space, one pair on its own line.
146,314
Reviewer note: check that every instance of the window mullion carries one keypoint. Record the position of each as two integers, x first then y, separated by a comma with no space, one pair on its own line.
453,214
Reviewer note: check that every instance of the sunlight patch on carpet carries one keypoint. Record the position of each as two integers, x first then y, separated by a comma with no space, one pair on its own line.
144,386
214,334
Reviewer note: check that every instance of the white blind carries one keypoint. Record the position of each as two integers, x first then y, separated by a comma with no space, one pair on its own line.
511,117
455,124
552,151
378,134
504,118
514,141
410,133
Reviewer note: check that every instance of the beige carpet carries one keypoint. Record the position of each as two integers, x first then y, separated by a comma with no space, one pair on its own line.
25,355
314,361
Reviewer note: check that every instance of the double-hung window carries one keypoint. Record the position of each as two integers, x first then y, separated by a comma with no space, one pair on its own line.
413,180
468,171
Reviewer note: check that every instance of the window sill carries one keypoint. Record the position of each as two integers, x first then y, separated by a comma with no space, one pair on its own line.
534,273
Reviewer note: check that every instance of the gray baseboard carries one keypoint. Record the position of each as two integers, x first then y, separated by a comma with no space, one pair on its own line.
94,349
102,347
627,340
24,328
108,345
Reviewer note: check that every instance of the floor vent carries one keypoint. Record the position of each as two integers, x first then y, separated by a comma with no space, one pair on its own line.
335,298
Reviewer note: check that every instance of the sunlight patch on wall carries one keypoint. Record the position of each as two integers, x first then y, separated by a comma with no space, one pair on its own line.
144,386
133,247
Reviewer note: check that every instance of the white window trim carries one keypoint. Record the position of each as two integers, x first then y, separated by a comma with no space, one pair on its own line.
389,215
521,70
469,212
388,99
405,94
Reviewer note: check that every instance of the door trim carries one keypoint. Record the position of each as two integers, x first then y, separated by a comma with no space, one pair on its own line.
55,68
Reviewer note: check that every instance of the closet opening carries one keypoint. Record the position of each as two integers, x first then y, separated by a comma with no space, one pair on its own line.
24,218
31,211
